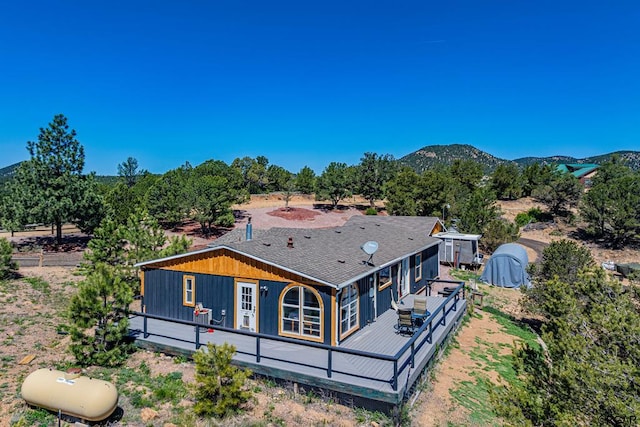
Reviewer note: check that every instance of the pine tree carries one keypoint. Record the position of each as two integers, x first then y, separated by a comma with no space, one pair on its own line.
98,321
56,190
220,387
121,246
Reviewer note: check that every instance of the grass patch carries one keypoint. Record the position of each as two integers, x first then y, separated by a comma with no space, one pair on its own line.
474,394
38,284
514,327
36,417
144,390
464,275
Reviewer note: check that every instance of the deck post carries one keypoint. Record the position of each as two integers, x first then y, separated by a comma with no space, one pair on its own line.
197,338
258,349
329,363
413,352
144,327
444,316
394,380
430,336
455,302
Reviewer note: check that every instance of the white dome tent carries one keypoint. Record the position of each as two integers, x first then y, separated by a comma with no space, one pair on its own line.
507,267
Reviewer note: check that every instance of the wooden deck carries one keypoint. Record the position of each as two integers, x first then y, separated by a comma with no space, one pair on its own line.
374,363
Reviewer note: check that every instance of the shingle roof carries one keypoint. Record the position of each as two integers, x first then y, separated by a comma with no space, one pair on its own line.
333,255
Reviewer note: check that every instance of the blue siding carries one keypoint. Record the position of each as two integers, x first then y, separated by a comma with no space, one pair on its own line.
383,302
268,306
163,297
429,268
163,294
365,301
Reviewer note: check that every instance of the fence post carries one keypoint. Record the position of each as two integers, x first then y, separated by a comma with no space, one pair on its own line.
394,381
258,349
144,327
197,337
329,363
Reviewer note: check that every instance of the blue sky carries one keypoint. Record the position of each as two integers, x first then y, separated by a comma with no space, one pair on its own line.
310,82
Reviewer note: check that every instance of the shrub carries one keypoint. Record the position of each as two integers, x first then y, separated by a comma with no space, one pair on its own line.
8,267
534,214
226,220
220,387
371,211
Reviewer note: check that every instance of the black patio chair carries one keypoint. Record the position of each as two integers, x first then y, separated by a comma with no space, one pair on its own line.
405,322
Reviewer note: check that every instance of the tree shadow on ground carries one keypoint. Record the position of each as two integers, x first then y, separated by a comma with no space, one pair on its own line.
194,229
69,243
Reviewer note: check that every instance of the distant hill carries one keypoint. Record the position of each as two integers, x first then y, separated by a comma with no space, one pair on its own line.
9,171
433,155
631,158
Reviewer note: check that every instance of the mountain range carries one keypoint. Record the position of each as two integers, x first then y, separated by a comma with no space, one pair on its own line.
434,155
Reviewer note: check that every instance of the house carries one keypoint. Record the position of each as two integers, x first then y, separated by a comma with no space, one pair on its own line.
316,285
583,171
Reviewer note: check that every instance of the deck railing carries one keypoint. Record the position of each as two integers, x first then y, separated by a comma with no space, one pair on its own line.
435,320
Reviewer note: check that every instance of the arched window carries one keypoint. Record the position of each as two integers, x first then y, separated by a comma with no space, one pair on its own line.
348,310
301,312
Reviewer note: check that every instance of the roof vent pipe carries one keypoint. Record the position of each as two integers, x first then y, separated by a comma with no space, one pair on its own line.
290,242
249,230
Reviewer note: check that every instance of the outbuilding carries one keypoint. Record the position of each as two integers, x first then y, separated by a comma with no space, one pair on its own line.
507,267
459,248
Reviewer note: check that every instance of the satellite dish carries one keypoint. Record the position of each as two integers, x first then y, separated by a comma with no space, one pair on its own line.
370,247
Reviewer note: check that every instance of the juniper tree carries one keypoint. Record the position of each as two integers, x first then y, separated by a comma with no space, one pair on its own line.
306,180
588,372
506,181
611,207
561,193
334,183
374,171
402,191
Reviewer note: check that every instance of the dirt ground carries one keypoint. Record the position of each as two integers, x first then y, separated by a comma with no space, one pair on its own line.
31,315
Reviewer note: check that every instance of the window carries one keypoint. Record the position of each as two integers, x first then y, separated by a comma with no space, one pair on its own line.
384,278
348,309
301,312
418,267
188,290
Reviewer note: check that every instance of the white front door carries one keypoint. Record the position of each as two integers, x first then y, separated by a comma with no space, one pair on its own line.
246,301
